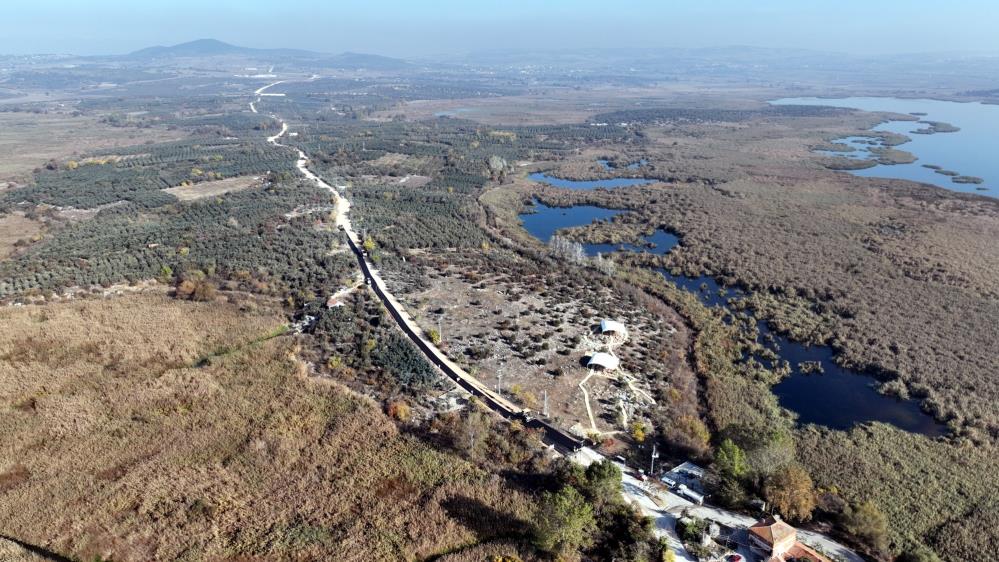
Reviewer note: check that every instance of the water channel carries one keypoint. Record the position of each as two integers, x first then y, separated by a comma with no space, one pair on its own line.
837,398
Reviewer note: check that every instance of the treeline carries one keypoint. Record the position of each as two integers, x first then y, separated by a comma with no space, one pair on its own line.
240,237
143,172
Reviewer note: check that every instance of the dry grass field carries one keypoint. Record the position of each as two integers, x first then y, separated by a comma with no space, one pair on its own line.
13,552
564,105
28,140
212,188
143,428
15,227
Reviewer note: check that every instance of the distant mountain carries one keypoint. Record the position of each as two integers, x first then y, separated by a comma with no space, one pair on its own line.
213,48
361,60
216,48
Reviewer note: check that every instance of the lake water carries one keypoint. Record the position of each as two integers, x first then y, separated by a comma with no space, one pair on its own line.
589,184
838,398
970,151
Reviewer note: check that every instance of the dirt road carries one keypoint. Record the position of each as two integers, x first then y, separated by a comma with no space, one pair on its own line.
436,356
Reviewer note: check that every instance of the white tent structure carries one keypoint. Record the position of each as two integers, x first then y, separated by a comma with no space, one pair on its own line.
604,361
612,327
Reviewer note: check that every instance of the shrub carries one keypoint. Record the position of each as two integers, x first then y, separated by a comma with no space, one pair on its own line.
398,410
869,524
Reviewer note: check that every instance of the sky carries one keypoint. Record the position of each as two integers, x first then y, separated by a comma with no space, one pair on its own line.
428,27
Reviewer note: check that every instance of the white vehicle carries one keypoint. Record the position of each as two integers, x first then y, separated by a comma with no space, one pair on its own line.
690,494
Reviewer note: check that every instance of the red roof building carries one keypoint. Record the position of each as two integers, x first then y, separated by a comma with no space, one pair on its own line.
776,541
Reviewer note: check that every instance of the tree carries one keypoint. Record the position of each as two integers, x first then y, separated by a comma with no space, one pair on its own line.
565,249
691,529
918,554
772,454
728,492
603,483
568,473
792,493
604,265
625,534
638,432
868,523
565,522
690,433
166,274
730,460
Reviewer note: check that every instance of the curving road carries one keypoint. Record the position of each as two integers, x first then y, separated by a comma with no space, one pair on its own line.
395,308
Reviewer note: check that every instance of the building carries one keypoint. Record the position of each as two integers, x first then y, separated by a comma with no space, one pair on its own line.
776,541
686,477
603,361
612,328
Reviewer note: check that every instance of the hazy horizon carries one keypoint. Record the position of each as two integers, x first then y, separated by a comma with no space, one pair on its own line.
449,27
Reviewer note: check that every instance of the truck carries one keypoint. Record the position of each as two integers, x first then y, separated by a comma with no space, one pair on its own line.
691,495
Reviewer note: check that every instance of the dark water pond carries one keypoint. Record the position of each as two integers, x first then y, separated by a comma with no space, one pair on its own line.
971,151
589,184
838,398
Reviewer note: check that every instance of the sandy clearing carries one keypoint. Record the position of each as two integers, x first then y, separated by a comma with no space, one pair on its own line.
213,188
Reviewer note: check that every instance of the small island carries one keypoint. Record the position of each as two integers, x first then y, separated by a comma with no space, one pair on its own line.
967,179
891,156
933,127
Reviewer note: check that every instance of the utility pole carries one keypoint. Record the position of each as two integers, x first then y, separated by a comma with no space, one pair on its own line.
499,383
545,411
655,455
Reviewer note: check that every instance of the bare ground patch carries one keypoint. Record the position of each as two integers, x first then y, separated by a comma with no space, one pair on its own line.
537,333
213,188
14,228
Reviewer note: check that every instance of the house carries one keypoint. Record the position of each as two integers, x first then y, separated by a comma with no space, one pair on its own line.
612,328
603,361
776,541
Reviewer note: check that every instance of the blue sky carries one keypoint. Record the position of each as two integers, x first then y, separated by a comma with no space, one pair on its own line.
397,27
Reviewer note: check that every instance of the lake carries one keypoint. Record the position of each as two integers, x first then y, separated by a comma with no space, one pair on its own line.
839,398
969,152
589,184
